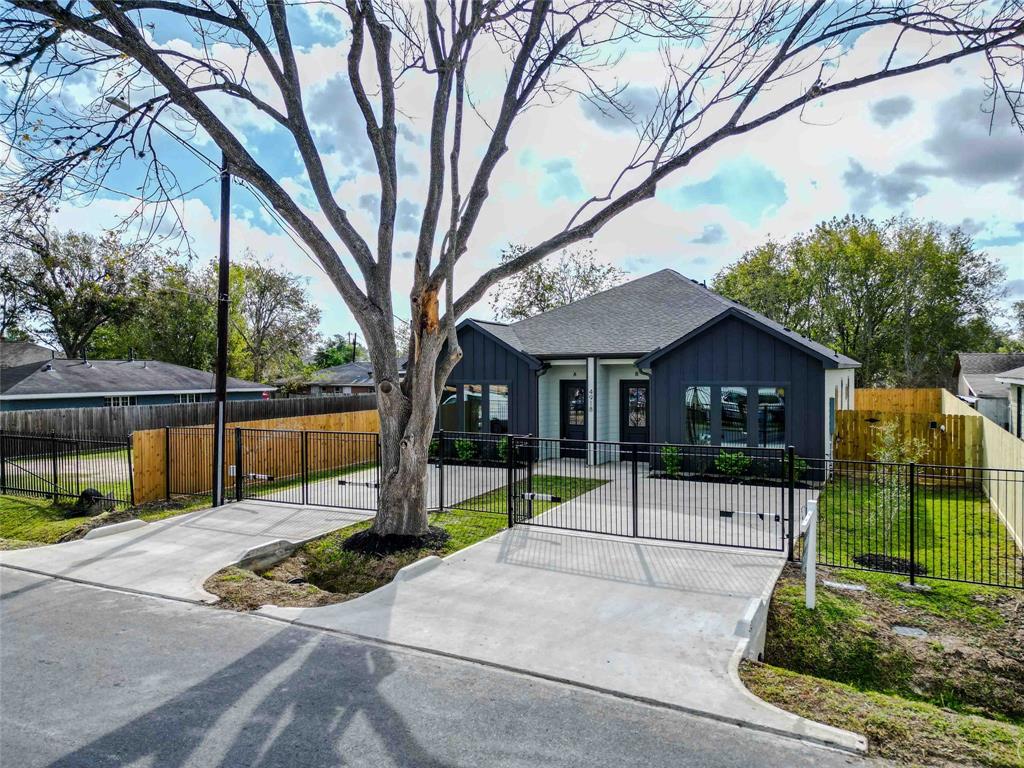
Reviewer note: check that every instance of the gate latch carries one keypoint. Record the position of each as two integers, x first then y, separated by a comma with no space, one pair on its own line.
258,476
530,496
350,482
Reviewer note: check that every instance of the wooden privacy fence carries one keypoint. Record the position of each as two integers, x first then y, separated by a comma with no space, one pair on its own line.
899,400
179,460
117,422
951,439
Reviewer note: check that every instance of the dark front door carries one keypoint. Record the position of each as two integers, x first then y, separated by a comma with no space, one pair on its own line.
634,413
573,412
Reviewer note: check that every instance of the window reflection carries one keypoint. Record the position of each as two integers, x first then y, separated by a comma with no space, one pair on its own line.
448,410
771,417
497,403
698,415
734,415
473,407
636,403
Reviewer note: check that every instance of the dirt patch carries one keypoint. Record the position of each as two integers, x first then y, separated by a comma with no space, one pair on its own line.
369,543
8,544
104,518
242,590
971,658
888,564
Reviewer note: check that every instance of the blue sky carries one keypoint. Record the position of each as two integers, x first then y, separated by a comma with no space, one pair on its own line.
921,147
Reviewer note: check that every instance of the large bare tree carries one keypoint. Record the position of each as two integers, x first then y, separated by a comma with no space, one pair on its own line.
728,68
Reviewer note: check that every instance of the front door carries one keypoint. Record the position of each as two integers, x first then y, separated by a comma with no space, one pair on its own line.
634,413
573,412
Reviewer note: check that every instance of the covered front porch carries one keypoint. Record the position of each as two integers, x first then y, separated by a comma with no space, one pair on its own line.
592,399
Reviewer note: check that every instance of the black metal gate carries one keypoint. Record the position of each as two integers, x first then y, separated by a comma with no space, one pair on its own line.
726,496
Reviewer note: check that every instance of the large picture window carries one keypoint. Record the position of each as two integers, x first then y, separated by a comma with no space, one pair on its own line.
476,408
771,417
473,407
497,401
698,415
733,403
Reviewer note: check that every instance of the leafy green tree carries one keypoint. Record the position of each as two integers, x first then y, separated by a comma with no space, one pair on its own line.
549,284
338,350
72,284
901,296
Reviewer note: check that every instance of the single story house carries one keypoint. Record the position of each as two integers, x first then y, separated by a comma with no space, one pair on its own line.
1014,379
660,359
60,383
347,379
977,382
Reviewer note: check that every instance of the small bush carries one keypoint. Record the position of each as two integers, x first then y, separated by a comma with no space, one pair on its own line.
799,466
671,460
503,449
434,449
465,449
732,463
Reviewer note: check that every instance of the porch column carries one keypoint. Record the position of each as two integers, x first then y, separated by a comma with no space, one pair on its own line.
591,408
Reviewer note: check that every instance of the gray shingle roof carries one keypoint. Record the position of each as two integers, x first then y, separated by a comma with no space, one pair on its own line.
359,373
16,353
982,369
55,378
1017,374
634,318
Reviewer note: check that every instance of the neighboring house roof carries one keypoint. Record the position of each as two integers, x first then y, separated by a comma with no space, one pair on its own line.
1013,376
82,378
637,318
981,371
358,374
16,353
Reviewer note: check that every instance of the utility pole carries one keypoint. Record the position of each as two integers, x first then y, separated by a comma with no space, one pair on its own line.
354,337
221,371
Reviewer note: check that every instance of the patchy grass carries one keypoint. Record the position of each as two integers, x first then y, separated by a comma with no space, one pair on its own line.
910,732
957,534
35,521
333,574
971,661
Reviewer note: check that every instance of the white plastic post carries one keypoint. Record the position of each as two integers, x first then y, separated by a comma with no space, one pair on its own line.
809,528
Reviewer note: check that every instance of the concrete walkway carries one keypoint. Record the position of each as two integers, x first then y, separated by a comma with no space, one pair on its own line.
659,622
174,557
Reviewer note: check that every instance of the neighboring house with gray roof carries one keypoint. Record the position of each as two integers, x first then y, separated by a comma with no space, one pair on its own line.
60,383
977,382
346,379
660,359
1014,380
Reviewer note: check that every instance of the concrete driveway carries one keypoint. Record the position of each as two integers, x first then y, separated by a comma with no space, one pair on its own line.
174,557
658,622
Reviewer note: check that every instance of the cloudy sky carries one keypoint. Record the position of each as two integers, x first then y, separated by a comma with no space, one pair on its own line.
920,146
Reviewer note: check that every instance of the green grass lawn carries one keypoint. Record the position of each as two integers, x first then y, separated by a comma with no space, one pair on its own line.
40,521
909,732
264,488
957,534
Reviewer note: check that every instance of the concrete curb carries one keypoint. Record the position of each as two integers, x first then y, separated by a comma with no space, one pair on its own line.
412,570
112,528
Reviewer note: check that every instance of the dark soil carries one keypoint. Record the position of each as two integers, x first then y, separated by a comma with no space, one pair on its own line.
761,482
370,543
887,564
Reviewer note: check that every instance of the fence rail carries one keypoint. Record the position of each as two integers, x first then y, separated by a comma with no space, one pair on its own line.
61,467
116,422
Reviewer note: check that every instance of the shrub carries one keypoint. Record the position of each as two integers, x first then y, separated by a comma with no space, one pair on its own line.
465,449
799,466
434,449
503,449
732,463
671,459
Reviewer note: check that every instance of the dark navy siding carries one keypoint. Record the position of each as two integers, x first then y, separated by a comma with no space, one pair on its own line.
485,361
733,352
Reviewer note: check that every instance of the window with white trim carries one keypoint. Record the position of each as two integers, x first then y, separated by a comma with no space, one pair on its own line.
190,397
119,400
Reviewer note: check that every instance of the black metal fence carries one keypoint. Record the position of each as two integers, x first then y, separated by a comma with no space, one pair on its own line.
60,468
918,520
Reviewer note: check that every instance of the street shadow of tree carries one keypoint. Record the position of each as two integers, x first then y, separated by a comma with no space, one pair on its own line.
289,702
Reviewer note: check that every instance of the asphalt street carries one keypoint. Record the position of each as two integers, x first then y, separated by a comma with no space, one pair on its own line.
91,677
